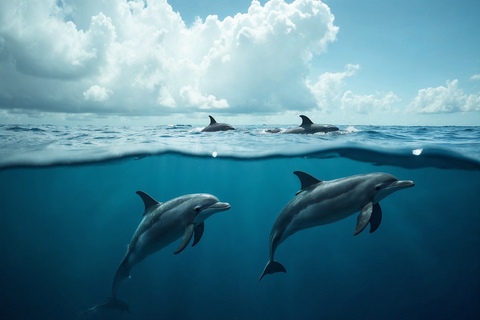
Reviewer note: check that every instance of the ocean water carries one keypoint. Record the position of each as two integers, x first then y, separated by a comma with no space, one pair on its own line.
68,210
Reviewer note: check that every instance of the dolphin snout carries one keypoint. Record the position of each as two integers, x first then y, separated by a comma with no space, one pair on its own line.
402,184
220,206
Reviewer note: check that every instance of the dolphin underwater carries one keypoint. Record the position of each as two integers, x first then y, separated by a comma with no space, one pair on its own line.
215,126
162,224
308,126
323,202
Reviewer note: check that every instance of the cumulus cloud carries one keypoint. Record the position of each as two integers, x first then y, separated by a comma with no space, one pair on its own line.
329,91
139,57
367,104
475,77
41,44
444,100
330,86
194,98
97,93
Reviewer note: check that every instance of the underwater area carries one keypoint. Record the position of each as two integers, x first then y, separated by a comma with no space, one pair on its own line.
68,211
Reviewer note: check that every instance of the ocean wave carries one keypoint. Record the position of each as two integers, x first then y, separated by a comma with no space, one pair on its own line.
24,129
407,147
405,158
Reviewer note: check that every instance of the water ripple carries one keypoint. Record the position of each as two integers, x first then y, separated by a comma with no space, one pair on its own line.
443,147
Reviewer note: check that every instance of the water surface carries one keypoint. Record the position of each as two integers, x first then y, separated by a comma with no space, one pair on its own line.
69,209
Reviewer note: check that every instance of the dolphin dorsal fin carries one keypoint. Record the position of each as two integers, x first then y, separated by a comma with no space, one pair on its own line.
306,180
212,121
305,121
148,201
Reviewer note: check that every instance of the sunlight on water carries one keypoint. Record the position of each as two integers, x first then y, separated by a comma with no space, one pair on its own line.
417,152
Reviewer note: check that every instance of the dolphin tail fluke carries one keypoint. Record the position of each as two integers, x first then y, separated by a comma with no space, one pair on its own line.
272,267
112,303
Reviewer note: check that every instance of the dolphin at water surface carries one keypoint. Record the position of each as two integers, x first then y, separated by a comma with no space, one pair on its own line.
308,126
323,202
215,126
162,224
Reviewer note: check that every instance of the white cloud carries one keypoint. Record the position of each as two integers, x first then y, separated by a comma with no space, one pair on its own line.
166,99
194,98
260,59
330,94
136,57
97,93
444,100
475,77
367,104
329,86
41,44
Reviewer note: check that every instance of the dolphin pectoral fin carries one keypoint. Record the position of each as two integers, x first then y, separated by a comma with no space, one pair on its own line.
376,218
363,218
187,236
272,267
198,233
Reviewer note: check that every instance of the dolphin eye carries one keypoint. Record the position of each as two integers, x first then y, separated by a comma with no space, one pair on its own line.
197,209
378,187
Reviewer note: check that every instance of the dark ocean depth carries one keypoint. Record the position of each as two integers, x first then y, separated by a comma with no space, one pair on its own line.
68,210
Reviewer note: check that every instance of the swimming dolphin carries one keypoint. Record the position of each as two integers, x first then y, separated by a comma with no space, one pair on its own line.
308,126
323,202
162,224
215,126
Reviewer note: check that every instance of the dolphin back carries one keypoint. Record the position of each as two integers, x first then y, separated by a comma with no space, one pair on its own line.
215,126
308,126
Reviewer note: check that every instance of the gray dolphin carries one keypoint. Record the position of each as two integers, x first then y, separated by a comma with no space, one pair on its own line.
162,224
323,202
308,126
215,126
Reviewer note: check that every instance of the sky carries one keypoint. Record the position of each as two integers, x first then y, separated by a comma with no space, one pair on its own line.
342,62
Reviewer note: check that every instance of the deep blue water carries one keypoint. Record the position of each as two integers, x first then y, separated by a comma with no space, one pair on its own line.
68,210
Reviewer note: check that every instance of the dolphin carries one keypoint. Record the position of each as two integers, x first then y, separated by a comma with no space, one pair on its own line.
215,126
308,126
323,202
162,224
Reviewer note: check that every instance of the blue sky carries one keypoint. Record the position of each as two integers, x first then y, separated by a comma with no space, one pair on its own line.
343,62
